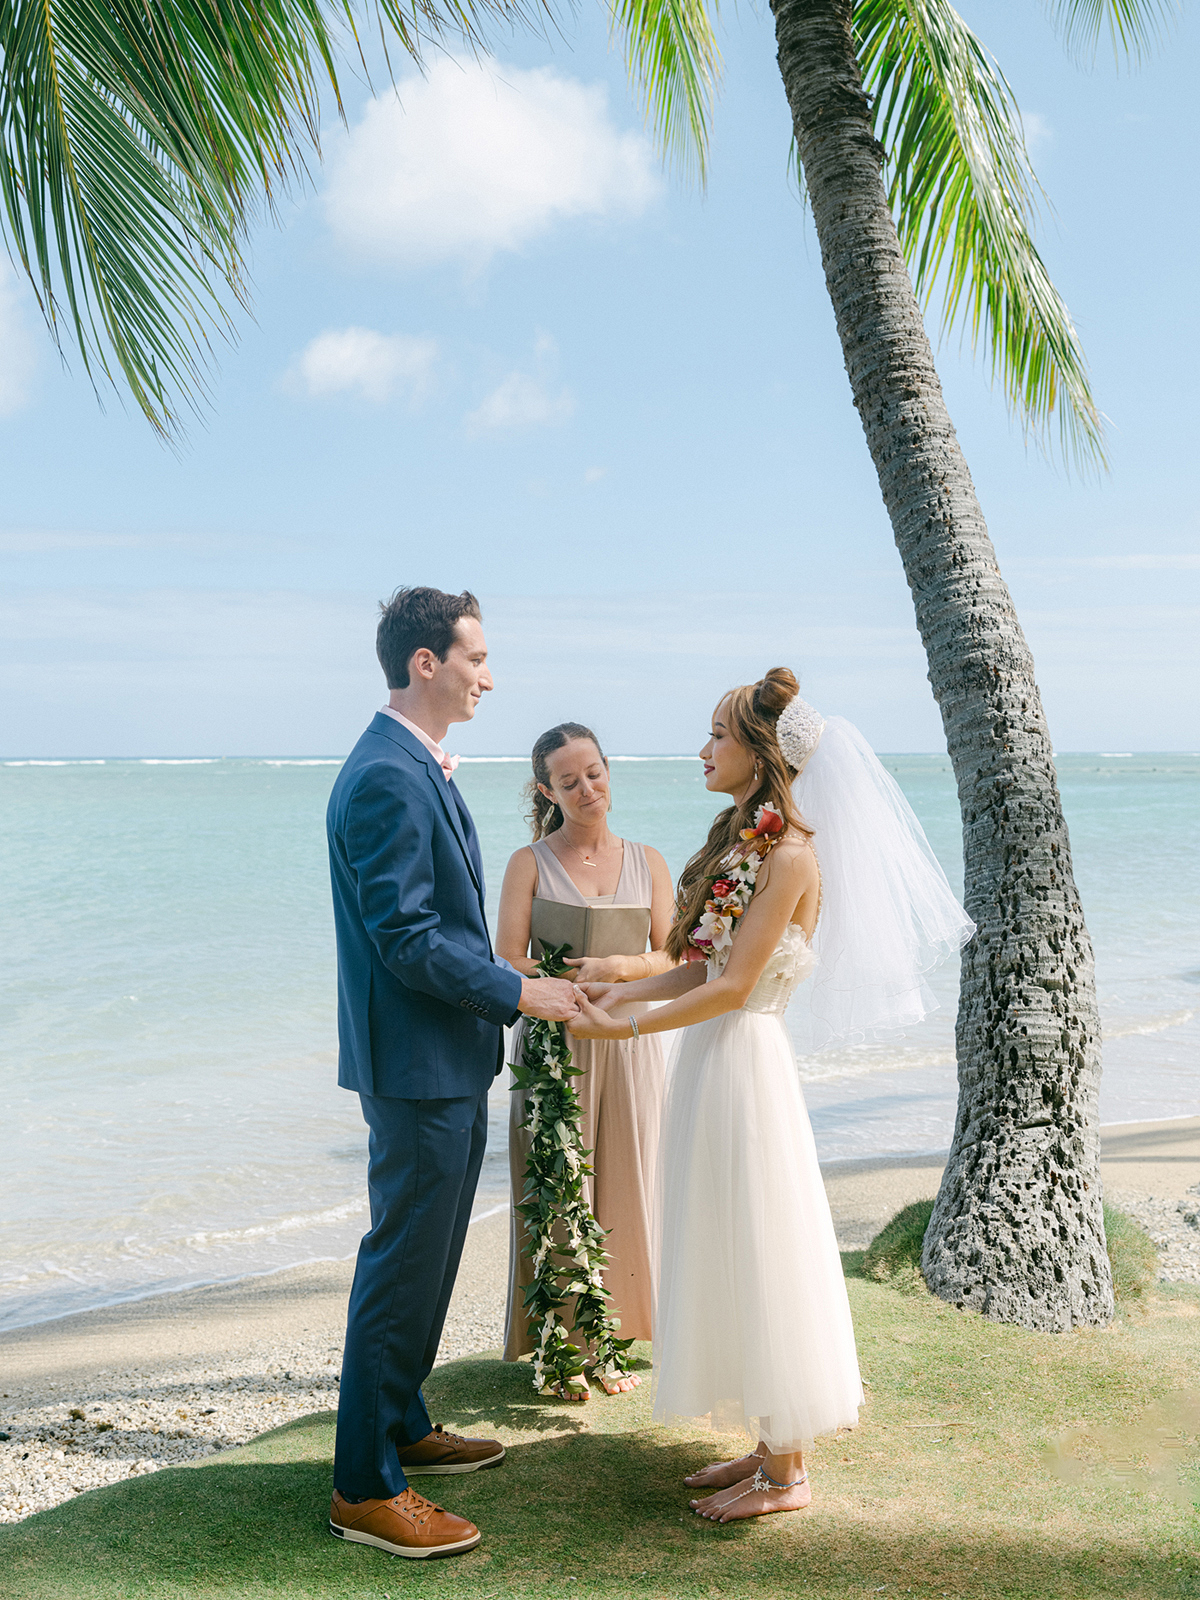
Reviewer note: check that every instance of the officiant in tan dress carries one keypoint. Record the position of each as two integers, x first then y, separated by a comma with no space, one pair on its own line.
575,860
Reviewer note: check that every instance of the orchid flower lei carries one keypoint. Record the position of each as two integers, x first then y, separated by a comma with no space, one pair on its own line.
733,888
562,1237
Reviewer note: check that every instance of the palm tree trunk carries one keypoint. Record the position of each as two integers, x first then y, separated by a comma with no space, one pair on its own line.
1017,1231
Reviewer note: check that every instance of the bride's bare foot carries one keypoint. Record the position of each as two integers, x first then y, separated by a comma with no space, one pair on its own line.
619,1382
724,1474
778,1484
756,1497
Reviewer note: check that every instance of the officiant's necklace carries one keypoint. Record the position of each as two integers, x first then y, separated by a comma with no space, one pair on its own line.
587,860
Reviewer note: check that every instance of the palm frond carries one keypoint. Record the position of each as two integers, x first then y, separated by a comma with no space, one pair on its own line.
417,24
674,64
140,140
1133,26
964,194
137,140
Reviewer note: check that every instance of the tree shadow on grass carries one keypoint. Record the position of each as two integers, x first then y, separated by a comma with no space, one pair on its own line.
579,1507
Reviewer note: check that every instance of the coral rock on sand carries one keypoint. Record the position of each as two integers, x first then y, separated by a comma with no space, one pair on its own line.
1173,1225
123,1424
127,1424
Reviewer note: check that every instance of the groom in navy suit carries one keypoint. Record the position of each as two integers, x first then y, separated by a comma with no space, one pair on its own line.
422,1003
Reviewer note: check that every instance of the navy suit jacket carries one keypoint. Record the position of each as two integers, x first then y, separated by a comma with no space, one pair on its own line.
422,1000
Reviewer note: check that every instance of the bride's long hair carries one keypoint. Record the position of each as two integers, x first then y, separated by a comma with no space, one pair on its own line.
751,716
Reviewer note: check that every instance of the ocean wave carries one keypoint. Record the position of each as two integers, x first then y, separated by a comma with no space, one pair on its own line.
177,761
32,1295
320,761
813,1069
72,1274
1139,1025
289,1224
823,1068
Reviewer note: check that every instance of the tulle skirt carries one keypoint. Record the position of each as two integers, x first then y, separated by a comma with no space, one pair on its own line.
752,1326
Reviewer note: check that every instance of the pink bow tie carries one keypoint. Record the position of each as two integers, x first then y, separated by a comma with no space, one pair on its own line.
449,763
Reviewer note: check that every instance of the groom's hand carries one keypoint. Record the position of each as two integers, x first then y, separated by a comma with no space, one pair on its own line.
552,999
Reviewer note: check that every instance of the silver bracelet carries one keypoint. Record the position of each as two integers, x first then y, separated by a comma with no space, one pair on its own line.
634,1026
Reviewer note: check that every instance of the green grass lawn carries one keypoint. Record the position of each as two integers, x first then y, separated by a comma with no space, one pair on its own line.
989,1462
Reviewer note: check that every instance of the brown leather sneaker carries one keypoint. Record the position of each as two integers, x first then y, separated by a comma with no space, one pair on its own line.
407,1525
441,1452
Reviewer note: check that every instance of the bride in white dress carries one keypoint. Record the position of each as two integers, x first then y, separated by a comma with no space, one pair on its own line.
752,1323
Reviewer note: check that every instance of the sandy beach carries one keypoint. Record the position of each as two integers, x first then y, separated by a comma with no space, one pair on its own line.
113,1393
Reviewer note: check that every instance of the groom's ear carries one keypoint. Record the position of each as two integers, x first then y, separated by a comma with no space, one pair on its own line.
422,664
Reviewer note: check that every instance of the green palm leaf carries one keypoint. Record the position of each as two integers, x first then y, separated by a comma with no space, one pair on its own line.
963,193
1133,26
140,140
136,142
674,64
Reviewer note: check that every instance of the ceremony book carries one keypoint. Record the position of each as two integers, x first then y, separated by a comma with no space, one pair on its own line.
590,930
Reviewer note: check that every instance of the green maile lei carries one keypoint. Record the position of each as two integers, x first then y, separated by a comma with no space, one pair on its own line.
562,1238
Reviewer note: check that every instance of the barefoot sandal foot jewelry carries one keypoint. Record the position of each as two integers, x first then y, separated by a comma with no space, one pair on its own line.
764,1483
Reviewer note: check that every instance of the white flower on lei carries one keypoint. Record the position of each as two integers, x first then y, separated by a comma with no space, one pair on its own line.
713,934
713,931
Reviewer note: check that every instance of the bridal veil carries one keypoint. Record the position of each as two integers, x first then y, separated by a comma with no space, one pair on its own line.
888,914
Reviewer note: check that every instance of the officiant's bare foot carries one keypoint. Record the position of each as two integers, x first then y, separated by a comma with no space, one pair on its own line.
724,1474
756,1497
575,1389
619,1382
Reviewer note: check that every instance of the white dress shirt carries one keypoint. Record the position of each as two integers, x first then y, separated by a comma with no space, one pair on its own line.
447,763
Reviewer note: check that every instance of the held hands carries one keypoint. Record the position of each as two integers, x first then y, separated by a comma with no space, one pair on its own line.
593,1023
552,999
583,1007
604,996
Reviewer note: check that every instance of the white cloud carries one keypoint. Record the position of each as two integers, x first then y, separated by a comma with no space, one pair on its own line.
1175,561
105,672
18,350
375,365
1038,131
1136,561
525,399
47,541
594,474
466,163
520,402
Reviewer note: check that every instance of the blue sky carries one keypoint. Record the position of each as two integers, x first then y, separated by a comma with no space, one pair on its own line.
495,346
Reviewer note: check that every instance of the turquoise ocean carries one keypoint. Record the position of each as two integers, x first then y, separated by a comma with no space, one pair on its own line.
167,1027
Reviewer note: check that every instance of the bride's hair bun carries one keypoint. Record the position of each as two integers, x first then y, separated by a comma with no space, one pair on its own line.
775,690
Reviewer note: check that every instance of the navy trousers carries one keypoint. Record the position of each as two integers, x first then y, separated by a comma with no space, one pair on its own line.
424,1164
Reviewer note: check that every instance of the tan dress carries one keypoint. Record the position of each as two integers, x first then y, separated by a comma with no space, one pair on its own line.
620,1099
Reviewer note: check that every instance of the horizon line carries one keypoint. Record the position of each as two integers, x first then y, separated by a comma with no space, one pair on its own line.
316,759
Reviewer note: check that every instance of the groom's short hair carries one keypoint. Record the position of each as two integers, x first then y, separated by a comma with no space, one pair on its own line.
418,619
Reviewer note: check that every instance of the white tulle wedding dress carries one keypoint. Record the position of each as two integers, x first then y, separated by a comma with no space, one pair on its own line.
752,1326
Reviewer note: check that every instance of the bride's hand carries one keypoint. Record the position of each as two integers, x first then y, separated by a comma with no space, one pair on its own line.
592,1023
604,996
